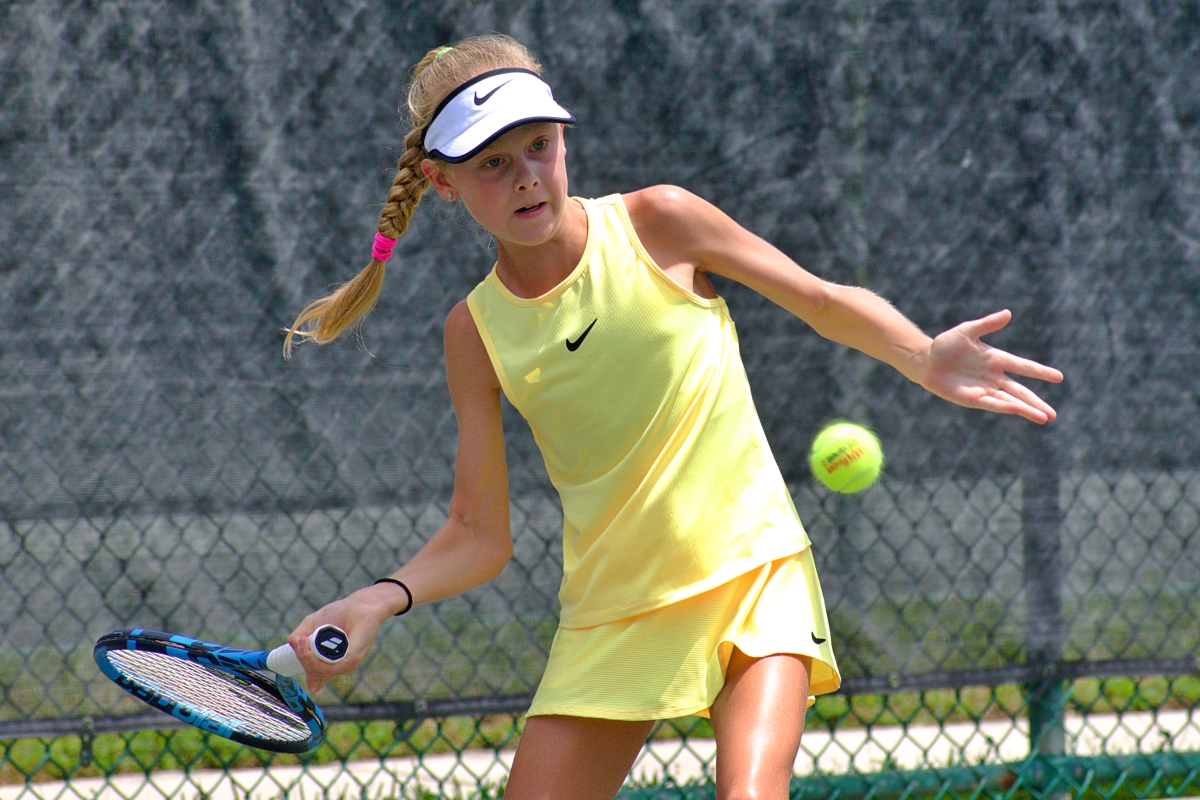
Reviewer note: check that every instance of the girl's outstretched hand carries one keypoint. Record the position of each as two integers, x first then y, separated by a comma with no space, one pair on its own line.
968,372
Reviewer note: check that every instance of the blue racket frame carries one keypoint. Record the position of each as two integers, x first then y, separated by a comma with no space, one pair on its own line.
249,665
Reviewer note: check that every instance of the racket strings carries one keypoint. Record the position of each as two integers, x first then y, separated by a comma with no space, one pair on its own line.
220,695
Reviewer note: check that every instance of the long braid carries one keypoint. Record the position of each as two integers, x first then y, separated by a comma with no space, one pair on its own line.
434,76
407,187
353,300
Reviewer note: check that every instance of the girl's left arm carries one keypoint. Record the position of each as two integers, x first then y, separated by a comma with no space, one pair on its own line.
681,229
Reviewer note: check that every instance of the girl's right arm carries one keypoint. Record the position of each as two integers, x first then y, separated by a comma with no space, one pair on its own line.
474,543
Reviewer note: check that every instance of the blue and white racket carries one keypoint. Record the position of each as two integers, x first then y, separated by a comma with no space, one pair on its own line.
223,690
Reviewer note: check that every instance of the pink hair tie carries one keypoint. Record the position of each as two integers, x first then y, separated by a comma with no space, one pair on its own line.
382,250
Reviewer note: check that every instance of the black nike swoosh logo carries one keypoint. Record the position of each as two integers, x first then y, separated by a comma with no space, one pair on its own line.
481,100
818,641
573,346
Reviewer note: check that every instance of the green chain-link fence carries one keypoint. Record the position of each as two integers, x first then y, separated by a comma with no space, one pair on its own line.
1015,609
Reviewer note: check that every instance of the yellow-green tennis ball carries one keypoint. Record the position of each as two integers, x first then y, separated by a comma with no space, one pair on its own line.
846,457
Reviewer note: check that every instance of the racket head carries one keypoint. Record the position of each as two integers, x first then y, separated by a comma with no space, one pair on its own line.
218,689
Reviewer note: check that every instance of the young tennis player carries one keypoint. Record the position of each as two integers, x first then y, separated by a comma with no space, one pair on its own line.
688,586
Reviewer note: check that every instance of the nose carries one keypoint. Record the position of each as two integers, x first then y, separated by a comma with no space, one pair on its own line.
526,177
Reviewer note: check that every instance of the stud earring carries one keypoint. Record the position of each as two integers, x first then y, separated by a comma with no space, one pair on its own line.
450,196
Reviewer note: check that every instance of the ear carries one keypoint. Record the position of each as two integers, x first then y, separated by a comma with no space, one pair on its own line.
439,179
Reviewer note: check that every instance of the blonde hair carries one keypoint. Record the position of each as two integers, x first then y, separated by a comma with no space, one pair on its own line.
442,70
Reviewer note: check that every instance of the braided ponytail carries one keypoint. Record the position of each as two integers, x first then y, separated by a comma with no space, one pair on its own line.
435,76
352,301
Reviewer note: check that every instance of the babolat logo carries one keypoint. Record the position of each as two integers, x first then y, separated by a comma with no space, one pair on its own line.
331,644
844,456
181,711
201,720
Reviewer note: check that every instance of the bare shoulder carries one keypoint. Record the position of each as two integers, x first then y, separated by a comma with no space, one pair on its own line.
671,223
466,357
677,226
460,326
664,206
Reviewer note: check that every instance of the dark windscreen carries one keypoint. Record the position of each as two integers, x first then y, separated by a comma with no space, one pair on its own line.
178,180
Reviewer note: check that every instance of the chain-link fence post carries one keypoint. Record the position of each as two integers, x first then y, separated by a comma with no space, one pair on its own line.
1041,520
1041,525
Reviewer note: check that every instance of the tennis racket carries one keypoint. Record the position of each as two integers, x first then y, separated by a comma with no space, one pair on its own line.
223,690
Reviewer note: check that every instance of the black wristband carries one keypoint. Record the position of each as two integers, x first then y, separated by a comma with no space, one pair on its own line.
408,607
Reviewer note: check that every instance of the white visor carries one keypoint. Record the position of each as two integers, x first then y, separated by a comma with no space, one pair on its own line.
485,107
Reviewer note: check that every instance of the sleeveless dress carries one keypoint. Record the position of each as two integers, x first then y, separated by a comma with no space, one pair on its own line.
680,539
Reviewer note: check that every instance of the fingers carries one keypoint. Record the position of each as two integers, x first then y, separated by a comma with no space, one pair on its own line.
985,325
316,672
298,639
315,676
1014,399
1002,404
1010,363
302,631
1025,402
1023,394
1028,369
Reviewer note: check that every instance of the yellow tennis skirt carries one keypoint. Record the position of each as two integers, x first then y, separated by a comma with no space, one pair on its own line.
671,662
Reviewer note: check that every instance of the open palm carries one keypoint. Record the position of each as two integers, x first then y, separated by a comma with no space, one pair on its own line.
968,372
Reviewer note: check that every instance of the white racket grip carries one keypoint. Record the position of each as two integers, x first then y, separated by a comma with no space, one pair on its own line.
282,661
328,643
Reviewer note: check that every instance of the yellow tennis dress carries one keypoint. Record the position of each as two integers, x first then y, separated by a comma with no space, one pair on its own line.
680,539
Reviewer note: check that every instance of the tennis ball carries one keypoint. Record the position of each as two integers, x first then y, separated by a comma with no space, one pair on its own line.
846,457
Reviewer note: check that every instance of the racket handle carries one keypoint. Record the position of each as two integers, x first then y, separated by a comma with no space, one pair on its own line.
328,642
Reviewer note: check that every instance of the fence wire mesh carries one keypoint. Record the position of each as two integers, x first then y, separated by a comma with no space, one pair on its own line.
1014,609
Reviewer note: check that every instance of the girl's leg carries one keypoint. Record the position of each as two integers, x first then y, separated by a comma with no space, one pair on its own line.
757,720
574,758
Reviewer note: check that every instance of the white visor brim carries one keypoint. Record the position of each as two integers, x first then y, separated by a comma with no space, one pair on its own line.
488,106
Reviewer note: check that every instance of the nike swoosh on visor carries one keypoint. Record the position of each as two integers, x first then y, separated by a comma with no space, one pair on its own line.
481,100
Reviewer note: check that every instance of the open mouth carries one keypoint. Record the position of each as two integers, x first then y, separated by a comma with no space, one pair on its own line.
528,209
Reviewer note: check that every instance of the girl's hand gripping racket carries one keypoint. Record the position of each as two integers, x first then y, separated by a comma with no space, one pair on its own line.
223,690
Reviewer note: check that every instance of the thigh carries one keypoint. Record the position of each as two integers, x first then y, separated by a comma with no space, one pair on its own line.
574,757
757,721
